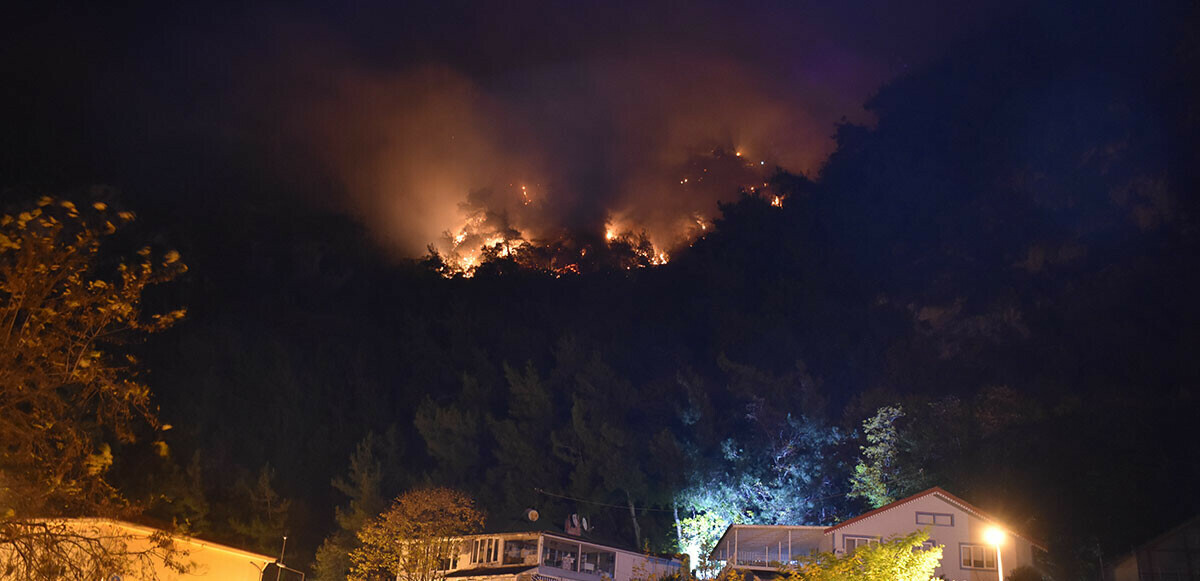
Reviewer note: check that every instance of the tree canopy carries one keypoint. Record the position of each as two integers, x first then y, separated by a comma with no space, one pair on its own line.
69,391
411,538
902,558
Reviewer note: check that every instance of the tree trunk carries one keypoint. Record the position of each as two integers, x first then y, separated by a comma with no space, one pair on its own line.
637,530
678,526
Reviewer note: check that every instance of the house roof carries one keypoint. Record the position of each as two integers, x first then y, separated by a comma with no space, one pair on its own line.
599,542
487,572
945,496
135,528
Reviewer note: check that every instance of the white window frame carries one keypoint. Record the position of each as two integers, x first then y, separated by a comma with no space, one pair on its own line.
969,551
486,550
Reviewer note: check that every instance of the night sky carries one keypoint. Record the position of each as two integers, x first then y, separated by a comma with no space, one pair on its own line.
461,226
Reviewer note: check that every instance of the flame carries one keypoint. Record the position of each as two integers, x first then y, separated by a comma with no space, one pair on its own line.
508,225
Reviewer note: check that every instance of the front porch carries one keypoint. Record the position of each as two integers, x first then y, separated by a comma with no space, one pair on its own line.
767,547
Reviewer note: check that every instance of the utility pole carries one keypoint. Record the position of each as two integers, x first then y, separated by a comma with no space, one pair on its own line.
279,564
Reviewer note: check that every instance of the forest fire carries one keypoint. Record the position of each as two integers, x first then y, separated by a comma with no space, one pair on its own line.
510,227
474,245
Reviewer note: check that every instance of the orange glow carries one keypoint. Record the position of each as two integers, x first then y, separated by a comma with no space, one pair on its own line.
993,536
515,223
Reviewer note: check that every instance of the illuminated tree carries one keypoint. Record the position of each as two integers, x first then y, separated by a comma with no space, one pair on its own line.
897,559
773,463
876,467
410,539
68,390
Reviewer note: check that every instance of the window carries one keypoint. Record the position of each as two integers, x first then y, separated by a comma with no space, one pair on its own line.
448,555
485,551
978,557
853,543
561,555
520,552
597,562
936,519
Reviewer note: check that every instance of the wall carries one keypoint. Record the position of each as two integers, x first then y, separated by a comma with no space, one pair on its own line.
211,561
967,528
629,565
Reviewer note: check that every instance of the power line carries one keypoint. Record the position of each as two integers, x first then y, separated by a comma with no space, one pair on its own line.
626,507
585,501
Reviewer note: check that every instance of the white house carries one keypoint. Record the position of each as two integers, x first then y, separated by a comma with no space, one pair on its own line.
959,527
550,556
953,523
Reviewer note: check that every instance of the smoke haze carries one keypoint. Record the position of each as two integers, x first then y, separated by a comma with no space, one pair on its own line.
415,117
602,142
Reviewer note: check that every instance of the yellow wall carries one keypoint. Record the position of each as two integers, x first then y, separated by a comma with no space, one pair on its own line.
209,561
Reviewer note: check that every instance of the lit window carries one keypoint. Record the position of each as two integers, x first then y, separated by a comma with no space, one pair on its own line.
978,557
936,519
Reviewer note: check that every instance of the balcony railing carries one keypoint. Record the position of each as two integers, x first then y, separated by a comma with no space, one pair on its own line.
764,559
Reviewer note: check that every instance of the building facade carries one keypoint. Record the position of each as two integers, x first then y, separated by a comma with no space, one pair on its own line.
961,529
549,556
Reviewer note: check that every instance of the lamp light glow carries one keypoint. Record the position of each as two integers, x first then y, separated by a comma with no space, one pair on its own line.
993,536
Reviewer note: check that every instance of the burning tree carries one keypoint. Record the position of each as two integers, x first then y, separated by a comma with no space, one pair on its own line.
519,228
68,391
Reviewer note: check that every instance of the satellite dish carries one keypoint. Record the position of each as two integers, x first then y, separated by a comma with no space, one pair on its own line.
531,514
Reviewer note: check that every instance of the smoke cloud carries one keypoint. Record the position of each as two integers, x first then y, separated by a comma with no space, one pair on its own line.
575,135
557,150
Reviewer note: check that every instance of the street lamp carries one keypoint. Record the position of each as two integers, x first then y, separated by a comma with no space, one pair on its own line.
995,536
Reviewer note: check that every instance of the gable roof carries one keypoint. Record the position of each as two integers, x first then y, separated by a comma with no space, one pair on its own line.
938,492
